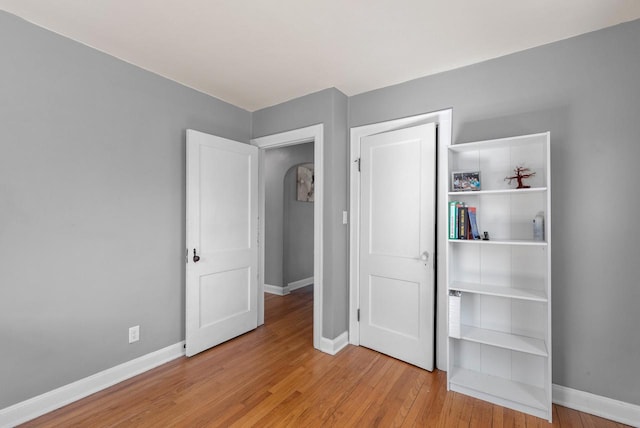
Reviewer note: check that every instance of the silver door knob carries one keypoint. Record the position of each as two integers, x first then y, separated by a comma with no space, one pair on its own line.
424,256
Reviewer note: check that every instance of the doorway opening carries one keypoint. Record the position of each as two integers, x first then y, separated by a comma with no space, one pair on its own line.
289,218
297,224
312,134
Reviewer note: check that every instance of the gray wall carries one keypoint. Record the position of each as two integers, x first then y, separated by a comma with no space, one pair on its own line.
330,108
585,91
92,177
277,162
298,232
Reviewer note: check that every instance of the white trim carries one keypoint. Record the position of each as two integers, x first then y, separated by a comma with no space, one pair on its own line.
598,405
299,283
443,118
283,291
333,346
52,400
275,289
313,133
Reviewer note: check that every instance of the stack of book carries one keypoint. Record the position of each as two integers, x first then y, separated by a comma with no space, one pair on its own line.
462,221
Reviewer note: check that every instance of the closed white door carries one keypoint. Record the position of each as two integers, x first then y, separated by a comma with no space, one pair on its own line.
397,243
222,250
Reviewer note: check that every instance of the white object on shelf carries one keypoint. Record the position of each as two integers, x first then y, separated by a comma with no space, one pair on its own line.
454,313
538,227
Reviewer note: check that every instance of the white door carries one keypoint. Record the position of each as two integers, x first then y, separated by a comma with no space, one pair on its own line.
397,243
222,231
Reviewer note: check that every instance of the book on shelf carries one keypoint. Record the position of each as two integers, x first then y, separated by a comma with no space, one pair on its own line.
463,223
453,212
473,224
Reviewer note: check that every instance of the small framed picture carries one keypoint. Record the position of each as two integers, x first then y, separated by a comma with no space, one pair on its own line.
305,181
465,181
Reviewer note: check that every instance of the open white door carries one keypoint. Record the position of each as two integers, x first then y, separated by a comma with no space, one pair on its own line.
397,243
222,250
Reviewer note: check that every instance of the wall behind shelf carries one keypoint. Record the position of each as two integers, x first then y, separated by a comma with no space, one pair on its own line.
585,91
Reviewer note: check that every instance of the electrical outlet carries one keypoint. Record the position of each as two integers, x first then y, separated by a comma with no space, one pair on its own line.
134,334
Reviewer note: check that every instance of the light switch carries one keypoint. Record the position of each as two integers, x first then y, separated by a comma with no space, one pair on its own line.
345,217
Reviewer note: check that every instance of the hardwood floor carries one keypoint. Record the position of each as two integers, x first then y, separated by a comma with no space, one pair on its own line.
274,377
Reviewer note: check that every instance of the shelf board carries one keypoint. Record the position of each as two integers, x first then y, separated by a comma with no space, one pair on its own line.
499,191
528,242
500,291
506,389
508,142
500,339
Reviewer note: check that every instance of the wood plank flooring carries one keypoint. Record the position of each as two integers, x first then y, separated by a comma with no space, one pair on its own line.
272,377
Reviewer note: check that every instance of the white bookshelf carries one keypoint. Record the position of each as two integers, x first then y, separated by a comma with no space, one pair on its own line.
499,343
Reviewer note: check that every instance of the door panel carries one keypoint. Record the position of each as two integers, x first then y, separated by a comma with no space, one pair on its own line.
223,199
397,244
222,202
394,201
394,305
224,295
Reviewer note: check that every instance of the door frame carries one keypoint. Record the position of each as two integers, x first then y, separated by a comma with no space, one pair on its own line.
310,134
443,119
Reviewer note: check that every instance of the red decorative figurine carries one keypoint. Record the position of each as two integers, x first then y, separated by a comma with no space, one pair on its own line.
521,173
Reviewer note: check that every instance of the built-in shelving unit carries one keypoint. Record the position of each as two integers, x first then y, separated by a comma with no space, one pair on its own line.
500,289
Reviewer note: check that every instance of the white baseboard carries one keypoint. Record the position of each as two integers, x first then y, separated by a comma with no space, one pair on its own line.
300,283
604,407
275,289
49,401
333,346
282,291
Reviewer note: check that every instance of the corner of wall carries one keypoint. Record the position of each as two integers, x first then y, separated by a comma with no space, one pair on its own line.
333,346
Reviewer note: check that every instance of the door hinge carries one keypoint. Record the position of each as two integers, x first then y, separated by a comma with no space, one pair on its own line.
358,315
358,162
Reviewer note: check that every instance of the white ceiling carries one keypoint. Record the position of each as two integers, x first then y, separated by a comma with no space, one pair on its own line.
257,53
